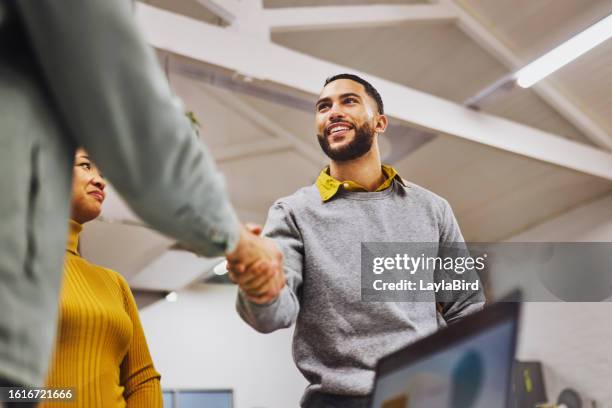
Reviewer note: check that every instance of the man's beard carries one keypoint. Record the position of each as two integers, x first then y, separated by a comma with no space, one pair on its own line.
360,145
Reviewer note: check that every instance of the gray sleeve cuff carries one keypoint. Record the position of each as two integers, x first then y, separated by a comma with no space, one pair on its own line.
266,318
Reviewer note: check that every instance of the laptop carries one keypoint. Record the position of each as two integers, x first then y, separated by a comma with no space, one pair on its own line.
465,365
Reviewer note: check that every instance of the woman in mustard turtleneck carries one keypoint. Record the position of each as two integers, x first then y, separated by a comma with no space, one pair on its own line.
100,349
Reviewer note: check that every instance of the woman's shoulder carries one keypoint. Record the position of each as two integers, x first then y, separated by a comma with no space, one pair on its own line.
118,278
110,275
119,282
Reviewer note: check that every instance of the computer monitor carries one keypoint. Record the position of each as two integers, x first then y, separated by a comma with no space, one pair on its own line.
465,365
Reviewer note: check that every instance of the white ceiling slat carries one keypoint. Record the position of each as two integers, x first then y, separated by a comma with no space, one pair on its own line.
263,60
249,20
330,17
475,30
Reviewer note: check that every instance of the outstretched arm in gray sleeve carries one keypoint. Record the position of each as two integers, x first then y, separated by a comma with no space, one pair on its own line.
451,240
281,312
115,102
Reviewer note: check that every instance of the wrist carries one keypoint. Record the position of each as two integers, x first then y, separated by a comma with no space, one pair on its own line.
234,253
259,302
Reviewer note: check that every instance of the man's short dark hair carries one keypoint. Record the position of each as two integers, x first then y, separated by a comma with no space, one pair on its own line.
370,90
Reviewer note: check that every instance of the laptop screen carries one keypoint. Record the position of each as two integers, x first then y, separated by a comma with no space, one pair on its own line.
467,365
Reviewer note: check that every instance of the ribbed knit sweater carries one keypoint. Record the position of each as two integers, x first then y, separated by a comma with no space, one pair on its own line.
100,348
338,338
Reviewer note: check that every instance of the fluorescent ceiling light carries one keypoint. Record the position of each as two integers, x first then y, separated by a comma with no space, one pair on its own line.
172,297
221,268
566,52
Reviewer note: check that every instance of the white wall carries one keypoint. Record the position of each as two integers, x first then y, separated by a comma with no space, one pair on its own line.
201,342
574,343
572,340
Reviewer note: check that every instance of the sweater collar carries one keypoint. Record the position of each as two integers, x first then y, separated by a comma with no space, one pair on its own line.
74,229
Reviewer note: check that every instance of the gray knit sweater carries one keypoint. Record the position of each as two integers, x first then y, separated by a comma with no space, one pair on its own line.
338,338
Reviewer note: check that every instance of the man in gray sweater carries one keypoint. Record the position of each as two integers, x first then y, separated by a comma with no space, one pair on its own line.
339,338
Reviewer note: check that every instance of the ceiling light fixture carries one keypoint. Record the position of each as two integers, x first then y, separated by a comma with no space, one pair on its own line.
221,268
565,53
172,297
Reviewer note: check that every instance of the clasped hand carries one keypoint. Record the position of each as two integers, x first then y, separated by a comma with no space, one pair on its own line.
256,265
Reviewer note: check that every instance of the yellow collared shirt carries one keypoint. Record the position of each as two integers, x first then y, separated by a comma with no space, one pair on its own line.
329,186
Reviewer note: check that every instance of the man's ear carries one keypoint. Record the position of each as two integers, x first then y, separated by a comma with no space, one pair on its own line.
381,124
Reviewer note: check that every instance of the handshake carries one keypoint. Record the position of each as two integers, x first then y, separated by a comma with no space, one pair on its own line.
256,265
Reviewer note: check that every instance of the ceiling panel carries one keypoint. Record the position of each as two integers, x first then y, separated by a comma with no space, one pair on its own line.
124,248
530,28
587,82
298,122
189,8
417,55
307,3
173,270
255,183
525,106
437,58
496,194
220,126
533,27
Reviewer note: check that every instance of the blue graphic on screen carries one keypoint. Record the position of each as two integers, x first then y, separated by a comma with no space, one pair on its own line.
473,373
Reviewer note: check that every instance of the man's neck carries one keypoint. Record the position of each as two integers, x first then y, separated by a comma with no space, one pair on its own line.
365,170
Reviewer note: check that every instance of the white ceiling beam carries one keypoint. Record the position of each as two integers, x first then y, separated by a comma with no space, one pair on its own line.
333,17
252,149
266,61
483,37
249,20
227,10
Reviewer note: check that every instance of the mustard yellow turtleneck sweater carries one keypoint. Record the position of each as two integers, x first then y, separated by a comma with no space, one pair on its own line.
100,349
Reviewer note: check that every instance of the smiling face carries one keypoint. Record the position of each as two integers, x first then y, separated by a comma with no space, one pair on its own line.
347,120
87,189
